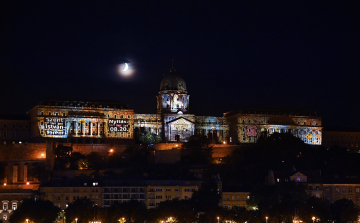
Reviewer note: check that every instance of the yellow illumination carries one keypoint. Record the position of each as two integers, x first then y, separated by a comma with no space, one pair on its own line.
4,184
27,183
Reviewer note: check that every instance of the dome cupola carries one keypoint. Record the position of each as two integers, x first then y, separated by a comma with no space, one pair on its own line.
173,82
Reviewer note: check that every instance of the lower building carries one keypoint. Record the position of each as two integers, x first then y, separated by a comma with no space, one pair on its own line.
234,197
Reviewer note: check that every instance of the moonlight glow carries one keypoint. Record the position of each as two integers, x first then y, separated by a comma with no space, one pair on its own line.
125,69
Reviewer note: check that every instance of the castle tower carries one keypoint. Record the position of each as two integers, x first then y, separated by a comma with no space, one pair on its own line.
173,97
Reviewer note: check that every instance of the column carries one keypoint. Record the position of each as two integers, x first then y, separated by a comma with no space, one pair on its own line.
25,173
90,128
15,174
98,128
83,128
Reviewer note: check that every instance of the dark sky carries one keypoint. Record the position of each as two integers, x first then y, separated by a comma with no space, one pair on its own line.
293,55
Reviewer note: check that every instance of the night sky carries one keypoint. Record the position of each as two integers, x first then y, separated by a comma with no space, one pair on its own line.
289,55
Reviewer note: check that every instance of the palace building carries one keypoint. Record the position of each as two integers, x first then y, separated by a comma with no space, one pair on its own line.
113,122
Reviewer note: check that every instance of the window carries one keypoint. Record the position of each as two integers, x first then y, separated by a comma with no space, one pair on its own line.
5,206
344,189
350,189
357,190
186,197
5,134
14,206
337,189
158,189
151,204
350,198
168,189
168,196
177,189
158,196
187,190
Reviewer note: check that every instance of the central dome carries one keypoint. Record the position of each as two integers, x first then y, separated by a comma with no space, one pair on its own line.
173,82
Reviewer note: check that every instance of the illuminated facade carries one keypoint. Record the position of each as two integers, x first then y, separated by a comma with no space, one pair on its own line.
92,121
246,126
104,122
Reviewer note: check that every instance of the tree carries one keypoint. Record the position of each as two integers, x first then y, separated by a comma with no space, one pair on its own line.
207,198
148,138
82,209
31,209
344,210
95,161
279,200
78,161
132,211
180,211
197,150
62,156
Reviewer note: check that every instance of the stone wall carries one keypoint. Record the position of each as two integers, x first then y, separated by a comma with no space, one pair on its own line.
20,152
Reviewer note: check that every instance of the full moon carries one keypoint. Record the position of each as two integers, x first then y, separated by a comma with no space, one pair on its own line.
126,67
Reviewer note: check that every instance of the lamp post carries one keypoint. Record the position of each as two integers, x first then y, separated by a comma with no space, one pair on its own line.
76,220
266,218
313,218
27,220
218,219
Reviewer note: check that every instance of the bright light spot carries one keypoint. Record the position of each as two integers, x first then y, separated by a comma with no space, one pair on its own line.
27,183
224,142
42,154
4,184
176,145
111,150
125,69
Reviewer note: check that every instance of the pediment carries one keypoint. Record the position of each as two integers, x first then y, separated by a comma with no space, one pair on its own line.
180,120
298,174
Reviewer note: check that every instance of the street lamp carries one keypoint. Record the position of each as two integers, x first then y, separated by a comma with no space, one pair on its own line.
313,218
218,219
27,220
266,218
76,220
